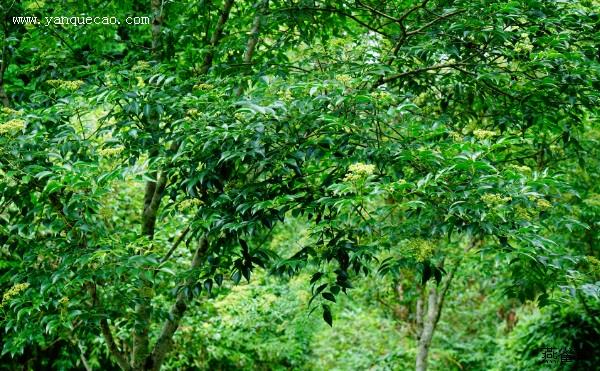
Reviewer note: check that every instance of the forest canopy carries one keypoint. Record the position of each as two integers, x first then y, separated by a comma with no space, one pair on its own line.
299,184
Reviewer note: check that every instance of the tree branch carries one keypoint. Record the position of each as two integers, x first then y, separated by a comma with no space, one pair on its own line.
378,12
112,346
406,34
3,65
152,198
84,361
175,245
216,37
412,10
165,339
336,11
261,6
429,24
385,80
107,334
419,312
157,21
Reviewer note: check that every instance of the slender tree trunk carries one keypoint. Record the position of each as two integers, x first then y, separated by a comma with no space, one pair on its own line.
216,37
427,331
113,348
165,339
4,60
419,311
434,296
152,197
435,302
261,8
141,356
157,22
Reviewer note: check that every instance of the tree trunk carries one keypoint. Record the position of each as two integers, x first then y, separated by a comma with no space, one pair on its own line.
435,303
419,311
426,324
141,357
3,66
216,37
152,197
427,331
165,339
261,7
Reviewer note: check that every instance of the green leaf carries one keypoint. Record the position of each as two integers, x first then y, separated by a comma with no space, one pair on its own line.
327,315
329,296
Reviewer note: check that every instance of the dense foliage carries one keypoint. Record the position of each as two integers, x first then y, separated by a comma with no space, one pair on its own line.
282,184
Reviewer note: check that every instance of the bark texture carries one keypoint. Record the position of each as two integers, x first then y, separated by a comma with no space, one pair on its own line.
4,59
165,339
261,7
428,318
152,196
113,348
216,37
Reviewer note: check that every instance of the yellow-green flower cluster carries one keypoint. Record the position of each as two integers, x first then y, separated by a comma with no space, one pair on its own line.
140,81
203,86
344,43
66,85
10,111
12,127
286,96
344,79
524,45
381,95
64,300
35,5
12,292
394,187
520,169
230,185
193,113
494,199
593,264
455,136
108,152
421,249
593,200
421,99
408,171
359,171
543,204
483,134
188,204
240,116
140,66
522,213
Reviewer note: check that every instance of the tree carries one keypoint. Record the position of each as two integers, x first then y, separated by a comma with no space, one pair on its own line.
407,132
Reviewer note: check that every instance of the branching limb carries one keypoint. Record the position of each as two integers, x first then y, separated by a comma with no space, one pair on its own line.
175,245
429,24
114,350
385,80
112,346
377,11
165,339
4,59
216,37
261,7
338,12
84,361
